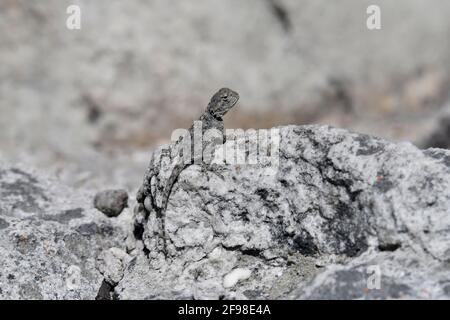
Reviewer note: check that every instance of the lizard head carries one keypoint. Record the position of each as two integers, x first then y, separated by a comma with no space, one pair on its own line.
222,101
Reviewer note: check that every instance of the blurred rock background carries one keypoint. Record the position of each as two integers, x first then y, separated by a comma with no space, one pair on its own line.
90,104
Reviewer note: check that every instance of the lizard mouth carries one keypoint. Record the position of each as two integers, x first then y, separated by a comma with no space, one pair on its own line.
231,104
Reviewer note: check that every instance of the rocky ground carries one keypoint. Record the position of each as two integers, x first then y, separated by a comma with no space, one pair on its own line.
342,215
50,238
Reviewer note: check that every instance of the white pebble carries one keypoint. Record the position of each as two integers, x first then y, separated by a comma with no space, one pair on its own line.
236,275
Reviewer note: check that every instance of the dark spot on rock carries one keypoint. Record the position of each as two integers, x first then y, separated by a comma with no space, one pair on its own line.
284,183
248,251
244,214
89,229
389,246
268,196
345,230
70,214
253,294
343,210
106,292
197,273
24,191
251,252
304,243
138,230
65,216
353,249
337,181
11,277
3,224
263,193
146,251
347,235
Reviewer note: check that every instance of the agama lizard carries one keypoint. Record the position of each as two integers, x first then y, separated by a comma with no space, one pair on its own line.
221,102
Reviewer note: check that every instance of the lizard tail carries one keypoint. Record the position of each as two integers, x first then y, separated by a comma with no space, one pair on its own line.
170,183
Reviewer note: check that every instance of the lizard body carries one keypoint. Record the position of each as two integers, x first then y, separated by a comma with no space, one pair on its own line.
221,102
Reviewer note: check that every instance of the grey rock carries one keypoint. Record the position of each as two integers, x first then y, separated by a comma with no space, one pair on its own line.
338,206
341,216
403,274
111,202
112,263
50,238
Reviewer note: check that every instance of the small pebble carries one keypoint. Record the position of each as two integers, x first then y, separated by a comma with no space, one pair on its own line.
235,276
111,202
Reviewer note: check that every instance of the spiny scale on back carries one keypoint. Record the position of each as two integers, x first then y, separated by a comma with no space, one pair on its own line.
221,102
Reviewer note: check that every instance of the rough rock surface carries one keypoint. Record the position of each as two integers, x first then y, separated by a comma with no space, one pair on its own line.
112,263
50,238
343,215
